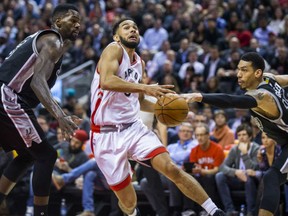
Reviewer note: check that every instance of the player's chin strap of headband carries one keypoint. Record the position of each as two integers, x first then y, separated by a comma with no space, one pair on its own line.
230,101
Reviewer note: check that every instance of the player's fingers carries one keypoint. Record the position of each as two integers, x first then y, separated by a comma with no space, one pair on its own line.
167,86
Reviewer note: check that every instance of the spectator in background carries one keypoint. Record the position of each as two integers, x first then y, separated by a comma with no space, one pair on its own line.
167,69
182,52
71,154
232,175
208,112
222,134
267,154
192,61
81,112
211,86
207,157
261,33
147,23
155,36
211,33
233,46
227,74
277,21
214,63
171,55
70,100
192,81
159,59
255,47
176,34
243,34
280,60
240,114
198,35
50,134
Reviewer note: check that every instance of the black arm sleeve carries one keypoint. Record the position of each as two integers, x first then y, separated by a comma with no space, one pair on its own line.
230,101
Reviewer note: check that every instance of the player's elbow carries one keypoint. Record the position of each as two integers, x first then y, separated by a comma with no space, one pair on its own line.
105,85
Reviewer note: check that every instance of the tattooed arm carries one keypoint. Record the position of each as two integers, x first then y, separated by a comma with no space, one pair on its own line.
266,104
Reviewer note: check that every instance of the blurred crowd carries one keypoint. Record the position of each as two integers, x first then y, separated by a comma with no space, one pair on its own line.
194,45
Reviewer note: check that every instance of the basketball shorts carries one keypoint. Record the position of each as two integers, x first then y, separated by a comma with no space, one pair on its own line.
19,126
113,149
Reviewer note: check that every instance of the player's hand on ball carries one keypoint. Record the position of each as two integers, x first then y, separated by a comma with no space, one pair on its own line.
158,90
192,97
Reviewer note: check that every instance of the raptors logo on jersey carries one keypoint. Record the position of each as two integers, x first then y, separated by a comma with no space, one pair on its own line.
113,108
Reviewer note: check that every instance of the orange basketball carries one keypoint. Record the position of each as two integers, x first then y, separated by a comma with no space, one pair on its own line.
171,110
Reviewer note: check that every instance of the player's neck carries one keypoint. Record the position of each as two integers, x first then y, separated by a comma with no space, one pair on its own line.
131,54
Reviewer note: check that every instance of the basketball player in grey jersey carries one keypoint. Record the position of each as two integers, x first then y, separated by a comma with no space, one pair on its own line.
266,98
26,77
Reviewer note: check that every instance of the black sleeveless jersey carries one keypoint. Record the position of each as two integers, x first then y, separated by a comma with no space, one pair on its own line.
276,129
16,71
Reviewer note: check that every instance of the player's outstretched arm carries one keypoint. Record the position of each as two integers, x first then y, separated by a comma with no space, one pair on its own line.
222,100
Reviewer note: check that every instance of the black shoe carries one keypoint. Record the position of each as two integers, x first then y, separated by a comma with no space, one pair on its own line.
219,212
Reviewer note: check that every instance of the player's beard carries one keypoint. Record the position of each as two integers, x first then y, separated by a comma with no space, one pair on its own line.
131,45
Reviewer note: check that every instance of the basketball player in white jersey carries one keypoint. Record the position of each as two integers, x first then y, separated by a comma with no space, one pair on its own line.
118,134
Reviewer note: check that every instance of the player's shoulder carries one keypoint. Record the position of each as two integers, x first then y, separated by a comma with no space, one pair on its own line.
262,96
256,92
113,49
49,39
49,35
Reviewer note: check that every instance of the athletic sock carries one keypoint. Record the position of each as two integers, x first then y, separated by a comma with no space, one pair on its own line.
209,206
136,212
40,210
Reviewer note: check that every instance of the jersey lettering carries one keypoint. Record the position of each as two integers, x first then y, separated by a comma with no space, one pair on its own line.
280,93
19,45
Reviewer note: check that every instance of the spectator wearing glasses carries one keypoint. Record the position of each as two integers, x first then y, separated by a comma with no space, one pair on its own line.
207,157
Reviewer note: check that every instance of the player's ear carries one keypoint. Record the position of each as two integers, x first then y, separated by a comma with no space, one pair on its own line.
58,23
258,73
116,38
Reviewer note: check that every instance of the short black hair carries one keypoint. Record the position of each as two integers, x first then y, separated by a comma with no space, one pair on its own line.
117,24
62,9
257,60
245,127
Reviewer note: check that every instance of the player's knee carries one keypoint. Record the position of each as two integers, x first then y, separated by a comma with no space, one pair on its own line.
52,155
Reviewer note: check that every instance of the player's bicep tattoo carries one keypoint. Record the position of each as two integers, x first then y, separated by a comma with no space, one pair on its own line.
260,96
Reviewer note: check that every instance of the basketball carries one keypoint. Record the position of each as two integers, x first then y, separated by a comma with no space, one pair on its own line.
171,110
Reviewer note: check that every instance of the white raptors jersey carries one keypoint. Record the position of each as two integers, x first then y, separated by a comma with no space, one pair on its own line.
114,108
